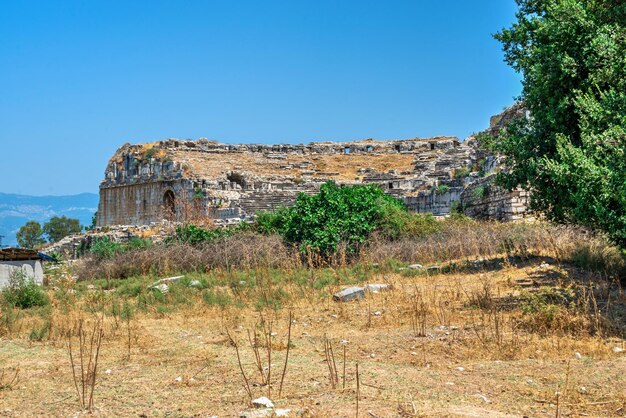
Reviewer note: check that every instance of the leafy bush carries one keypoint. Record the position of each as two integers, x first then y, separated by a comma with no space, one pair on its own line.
399,223
479,192
443,188
335,215
23,292
105,248
267,222
193,234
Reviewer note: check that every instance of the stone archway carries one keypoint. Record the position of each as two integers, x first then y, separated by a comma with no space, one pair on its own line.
169,205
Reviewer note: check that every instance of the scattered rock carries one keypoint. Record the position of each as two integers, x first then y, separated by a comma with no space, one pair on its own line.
544,265
257,413
263,402
376,288
282,412
483,397
349,294
108,371
461,369
163,288
195,283
416,267
578,356
618,350
179,379
433,269
170,279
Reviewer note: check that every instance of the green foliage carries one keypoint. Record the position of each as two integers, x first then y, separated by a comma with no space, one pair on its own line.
479,192
334,215
30,235
59,227
193,234
456,208
104,248
267,222
23,292
462,172
397,223
443,188
571,152
150,153
217,298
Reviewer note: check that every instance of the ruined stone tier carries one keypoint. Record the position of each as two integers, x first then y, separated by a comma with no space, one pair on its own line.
144,183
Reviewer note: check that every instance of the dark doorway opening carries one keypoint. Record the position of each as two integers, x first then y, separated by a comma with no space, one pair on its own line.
169,205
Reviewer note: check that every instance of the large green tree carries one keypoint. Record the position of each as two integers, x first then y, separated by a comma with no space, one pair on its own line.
59,227
30,235
571,150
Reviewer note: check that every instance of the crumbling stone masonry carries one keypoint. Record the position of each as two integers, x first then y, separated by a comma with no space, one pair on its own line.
180,179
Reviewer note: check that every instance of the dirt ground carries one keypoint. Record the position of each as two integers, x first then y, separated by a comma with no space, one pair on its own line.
423,349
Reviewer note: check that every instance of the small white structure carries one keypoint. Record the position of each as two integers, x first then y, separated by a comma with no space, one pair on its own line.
15,259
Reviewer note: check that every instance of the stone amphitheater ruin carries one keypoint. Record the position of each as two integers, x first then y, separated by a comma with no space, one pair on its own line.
146,183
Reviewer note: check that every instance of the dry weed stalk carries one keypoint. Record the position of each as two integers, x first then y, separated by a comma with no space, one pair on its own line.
358,389
85,378
268,340
282,378
419,313
9,379
330,361
243,374
254,345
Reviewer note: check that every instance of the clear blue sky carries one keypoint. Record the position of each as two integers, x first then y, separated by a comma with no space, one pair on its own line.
80,78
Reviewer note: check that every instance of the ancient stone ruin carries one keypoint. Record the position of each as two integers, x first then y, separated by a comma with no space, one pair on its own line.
182,179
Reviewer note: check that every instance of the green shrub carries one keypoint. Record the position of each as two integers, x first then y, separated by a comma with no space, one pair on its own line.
267,222
105,248
479,192
443,188
23,292
398,223
335,215
462,172
193,234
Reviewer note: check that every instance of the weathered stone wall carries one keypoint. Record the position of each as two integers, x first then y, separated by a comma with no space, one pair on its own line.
172,179
141,203
229,182
483,199
434,201
31,268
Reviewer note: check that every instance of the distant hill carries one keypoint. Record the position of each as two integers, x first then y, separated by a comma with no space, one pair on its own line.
16,210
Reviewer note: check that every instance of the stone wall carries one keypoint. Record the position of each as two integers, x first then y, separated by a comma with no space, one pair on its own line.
141,203
31,268
178,179
434,201
482,199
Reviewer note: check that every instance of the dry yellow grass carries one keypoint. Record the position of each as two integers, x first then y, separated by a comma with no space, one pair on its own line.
468,361
342,166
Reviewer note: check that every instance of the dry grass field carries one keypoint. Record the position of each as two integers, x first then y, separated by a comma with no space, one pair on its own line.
499,337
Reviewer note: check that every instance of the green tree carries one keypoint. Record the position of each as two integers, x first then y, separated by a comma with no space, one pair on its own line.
59,227
571,150
30,235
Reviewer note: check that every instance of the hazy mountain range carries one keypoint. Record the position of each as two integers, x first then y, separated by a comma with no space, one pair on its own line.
16,210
